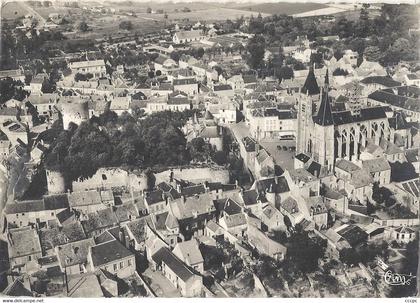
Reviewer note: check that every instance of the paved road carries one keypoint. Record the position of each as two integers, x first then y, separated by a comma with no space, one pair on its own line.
284,159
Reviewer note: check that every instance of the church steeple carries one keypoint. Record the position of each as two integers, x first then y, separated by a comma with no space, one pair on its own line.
324,116
311,86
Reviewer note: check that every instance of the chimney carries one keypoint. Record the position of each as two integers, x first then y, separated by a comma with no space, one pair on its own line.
127,242
276,179
121,236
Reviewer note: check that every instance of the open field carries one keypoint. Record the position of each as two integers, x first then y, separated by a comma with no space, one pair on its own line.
213,14
13,10
282,8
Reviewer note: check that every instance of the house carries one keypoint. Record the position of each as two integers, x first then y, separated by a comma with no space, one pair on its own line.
113,257
264,245
36,83
186,85
275,189
167,227
126,212
84,286
223,90
193,213
183,37
379,169
73,257
86,201
272,218
182,278
108,282
56,236
120,105
189,253
15,74
264,164
402,234
373,83
99,221
17,289
95,67
24,248
164,64
137,232
178,101
213,230
272,123
232,218
23,213
412,80
290,209
156,201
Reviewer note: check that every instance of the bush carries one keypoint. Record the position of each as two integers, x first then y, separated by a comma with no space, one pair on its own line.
127,25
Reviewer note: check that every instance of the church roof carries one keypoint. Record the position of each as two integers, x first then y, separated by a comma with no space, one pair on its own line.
310,86
325,116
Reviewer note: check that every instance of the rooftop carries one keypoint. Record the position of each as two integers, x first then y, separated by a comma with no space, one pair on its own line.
164,255
108,252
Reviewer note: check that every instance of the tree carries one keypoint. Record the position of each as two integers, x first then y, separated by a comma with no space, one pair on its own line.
372,53
340,72
349,256
285,72
83,27
305,252
149,10
126,25
220,157
256,49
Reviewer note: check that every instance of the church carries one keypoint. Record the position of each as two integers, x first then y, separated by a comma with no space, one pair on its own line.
325,134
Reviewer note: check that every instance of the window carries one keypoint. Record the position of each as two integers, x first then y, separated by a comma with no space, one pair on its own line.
29,258
104,177
121,264
115,267
129,262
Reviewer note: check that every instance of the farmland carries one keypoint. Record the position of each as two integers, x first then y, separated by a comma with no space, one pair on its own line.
13,10
282,8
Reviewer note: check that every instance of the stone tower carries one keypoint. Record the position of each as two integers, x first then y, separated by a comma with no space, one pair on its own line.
308,95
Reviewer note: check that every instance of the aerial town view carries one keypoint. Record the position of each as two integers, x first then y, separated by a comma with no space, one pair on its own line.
209,149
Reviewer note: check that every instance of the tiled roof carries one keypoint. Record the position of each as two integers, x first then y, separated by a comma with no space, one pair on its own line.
99,220
376,165
164,255
346,165
52,237
23,241
279,186
138,229
109,252
75,252
190,252
193,190
154,197
383,80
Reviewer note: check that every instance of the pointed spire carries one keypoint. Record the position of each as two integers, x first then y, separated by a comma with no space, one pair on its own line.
311,86
327,81
324,116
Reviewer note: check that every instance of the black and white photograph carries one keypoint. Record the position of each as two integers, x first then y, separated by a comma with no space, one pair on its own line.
209,149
